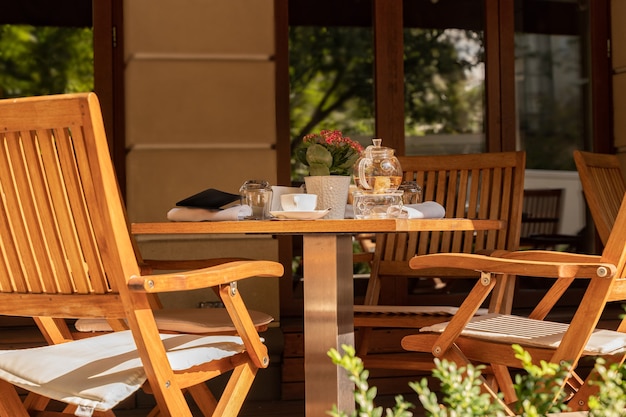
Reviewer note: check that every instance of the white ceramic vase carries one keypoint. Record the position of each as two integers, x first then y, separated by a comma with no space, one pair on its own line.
332,192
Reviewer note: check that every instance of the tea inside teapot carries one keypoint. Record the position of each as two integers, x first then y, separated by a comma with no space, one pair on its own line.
377,169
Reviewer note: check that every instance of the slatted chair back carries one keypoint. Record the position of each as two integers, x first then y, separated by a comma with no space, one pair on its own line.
66,252
56,218
603,185
542,211
474,186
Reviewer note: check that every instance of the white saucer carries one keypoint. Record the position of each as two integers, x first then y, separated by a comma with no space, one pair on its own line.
299,215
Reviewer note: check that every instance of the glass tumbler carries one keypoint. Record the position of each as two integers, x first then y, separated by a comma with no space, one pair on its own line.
258,195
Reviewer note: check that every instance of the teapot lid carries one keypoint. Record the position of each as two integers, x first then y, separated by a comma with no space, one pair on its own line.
376,147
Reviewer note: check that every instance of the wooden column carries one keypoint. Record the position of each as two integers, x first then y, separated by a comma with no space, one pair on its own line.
500,76
389,73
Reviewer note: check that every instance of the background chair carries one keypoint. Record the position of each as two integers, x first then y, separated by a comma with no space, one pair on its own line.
604,187
488,339
67,253
475,186
541,221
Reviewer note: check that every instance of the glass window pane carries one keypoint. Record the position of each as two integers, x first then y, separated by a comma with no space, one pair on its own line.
444,91
331,82
550,90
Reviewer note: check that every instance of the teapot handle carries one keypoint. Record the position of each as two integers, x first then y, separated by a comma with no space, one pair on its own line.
364,164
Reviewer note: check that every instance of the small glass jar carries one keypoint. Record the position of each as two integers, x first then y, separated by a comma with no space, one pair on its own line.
412,192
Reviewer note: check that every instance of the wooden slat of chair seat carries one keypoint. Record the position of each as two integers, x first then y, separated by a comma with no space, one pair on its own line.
462,341
403,316
603,185
67,253
476,186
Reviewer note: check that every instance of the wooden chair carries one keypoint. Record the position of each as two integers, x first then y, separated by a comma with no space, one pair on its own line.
66,253
466,338
541,214
603,185
541,221
475,186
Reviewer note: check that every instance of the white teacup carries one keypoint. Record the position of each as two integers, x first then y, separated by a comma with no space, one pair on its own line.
298,202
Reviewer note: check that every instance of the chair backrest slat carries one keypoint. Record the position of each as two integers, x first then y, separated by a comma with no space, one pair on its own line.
604,187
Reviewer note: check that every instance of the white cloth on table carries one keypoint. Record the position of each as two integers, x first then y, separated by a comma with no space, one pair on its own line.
198,214
425,210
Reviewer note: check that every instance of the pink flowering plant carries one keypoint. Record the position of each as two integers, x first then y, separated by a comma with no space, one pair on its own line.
328,153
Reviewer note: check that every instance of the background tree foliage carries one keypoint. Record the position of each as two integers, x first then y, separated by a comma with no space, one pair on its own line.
332,81
45,60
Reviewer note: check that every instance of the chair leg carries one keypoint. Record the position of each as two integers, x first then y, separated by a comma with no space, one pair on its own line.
454,354
505,382
236,390
36,402
202,396
362,341
10,403
204,399
580,399
155,412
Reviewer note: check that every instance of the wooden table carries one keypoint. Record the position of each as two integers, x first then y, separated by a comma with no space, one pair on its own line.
328,286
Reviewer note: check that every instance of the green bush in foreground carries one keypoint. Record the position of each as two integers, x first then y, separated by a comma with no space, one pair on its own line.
461,396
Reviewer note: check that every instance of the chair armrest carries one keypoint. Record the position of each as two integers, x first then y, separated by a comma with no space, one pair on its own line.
548,256
218,277
207,277
150,265
512,266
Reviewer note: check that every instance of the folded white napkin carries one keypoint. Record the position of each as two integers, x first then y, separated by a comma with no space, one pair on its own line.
197,214
425,210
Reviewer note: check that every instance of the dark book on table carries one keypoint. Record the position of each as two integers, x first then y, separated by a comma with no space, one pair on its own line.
209,199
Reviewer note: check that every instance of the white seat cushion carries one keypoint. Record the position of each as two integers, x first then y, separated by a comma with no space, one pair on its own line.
515,329
97,373
184,320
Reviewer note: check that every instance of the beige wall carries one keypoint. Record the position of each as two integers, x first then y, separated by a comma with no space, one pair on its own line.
200,114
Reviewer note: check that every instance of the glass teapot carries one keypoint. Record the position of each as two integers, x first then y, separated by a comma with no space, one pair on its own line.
377,170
